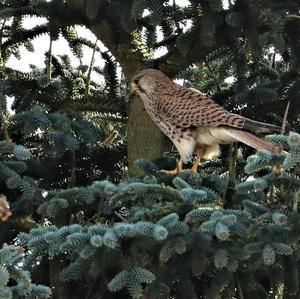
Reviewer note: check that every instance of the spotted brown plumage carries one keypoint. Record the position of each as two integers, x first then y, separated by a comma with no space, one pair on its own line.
194,121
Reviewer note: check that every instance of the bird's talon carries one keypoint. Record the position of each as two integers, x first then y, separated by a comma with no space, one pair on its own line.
176,170
171,172
194,169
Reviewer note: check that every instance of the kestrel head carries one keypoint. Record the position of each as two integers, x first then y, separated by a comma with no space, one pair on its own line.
145,81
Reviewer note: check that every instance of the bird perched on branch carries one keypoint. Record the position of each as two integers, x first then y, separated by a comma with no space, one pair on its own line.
193,121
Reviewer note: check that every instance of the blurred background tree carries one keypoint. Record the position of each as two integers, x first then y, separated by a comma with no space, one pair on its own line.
87,231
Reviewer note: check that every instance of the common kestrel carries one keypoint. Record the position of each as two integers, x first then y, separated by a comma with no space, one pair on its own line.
193,121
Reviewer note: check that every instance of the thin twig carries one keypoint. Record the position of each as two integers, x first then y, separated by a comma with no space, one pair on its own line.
273,60
239,288
90,291
72,182
120,216
285,118
1,40
4,127
110,138
233,152
296,200
88,79
49,61
293,16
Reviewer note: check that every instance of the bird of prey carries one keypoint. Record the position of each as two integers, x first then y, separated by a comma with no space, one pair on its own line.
193,121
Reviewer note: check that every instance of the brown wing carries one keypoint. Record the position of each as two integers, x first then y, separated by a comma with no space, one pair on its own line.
187,108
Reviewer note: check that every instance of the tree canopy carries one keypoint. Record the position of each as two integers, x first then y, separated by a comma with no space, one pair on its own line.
84,209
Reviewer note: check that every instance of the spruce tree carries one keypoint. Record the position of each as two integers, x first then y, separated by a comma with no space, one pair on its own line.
75,224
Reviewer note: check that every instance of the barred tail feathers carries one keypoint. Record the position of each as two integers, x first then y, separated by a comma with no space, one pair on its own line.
258,127
252,140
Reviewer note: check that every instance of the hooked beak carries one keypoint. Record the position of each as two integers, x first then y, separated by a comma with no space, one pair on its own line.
133,87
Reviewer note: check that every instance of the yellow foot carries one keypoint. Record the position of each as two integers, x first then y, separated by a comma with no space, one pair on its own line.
172,172
199,152
194,168
176,170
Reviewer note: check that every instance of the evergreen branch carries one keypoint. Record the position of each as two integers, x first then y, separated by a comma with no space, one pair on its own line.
26,35
22,223
10,12
114,118
174,61
102,106
212,74
86,42
166,42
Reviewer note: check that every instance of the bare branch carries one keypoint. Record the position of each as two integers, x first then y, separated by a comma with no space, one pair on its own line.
284,121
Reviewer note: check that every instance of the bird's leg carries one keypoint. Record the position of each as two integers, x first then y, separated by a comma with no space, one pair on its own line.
199,152
179,168
175,171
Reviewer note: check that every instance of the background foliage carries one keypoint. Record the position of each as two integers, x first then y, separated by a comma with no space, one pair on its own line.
81,227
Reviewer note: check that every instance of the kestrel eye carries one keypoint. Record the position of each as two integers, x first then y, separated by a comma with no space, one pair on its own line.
136,81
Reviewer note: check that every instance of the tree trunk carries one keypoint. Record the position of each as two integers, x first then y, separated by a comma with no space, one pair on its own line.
145,140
